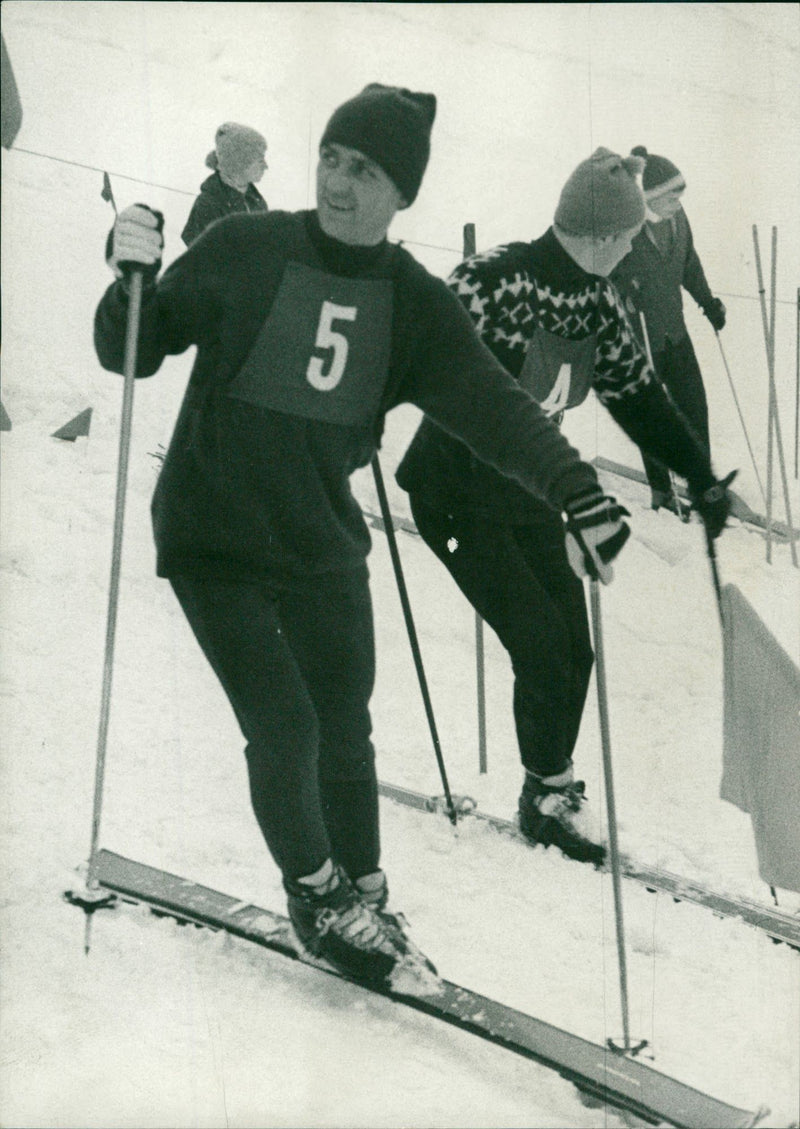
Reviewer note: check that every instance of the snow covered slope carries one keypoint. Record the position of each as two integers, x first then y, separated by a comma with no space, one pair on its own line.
163,1026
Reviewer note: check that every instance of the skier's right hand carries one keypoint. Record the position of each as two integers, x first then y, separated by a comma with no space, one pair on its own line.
136,240
595,533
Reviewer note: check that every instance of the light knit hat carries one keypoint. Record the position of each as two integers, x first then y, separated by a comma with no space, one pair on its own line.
236,147
602,196
390,125
659,176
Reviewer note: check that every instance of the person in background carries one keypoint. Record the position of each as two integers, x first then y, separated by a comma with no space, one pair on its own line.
238,161
663,260
310,326
551,317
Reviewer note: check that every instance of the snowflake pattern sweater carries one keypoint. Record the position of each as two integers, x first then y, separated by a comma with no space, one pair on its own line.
509,292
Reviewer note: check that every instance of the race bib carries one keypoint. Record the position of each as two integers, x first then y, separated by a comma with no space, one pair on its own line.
557,372
323,351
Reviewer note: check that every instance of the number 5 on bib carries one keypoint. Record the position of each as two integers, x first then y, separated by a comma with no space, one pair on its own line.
323,350
328,338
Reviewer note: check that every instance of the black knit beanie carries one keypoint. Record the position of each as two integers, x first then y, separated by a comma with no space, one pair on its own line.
392,127
660,175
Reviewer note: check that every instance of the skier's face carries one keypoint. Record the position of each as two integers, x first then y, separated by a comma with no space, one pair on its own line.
666,206
602,255
254,173
356,200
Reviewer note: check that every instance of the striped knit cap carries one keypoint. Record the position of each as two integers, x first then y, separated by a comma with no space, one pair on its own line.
660,175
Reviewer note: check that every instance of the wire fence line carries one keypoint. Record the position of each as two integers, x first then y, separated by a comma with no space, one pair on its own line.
412,242
179,191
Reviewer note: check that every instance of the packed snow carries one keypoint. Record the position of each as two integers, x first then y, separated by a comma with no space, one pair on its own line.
163,1025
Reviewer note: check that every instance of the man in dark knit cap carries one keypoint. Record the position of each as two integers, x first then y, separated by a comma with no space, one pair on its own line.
309,327
548,313
661,261
239,162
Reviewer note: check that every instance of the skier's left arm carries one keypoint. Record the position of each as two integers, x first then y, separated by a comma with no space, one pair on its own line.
455,379
638,402
694,281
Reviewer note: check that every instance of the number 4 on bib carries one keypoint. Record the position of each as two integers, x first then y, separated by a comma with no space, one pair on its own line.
559,394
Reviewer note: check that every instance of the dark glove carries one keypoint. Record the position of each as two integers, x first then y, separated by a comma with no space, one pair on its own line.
595,533
714,504
715,312
136,241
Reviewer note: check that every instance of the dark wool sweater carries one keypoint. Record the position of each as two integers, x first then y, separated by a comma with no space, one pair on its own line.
660,262
256,479
509,292
217,200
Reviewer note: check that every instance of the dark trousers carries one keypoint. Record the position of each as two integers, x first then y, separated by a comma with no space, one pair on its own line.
678,369
298,669
519,580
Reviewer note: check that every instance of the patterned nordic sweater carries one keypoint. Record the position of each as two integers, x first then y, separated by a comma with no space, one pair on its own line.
509,292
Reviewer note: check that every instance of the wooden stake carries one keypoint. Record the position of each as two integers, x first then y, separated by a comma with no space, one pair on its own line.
797,379
773,421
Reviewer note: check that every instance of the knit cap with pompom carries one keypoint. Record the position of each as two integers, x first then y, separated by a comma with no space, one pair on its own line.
602,196
660,175
236,148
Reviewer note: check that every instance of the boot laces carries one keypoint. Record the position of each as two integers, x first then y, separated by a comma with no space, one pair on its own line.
563,801
357,924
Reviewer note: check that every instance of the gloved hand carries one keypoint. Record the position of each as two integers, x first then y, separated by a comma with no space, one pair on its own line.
715,312
595,533
714,504
136,240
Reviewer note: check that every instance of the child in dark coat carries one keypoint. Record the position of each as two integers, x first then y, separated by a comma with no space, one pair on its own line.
238,163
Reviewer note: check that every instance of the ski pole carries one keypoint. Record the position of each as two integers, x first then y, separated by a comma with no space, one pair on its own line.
129,372
741,417
673,488
605,739
480,662
712,560
412,634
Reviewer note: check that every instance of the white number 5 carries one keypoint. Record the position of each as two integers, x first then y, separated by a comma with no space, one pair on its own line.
328,338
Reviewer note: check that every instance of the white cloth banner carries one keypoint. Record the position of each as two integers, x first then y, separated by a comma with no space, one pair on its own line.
761,752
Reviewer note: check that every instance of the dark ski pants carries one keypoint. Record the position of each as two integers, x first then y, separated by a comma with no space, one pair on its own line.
677,367
298,669
519,580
